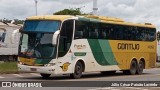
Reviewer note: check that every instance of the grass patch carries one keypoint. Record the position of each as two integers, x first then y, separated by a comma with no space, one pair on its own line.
8,67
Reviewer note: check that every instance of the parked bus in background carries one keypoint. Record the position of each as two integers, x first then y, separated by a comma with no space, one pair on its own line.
8,47
63,44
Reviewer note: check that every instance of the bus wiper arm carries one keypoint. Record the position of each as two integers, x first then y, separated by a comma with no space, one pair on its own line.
32,49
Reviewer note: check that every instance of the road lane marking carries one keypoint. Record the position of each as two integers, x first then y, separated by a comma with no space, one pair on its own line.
155,88
152,69
34,74
105,88
108,78
119,88
18,75
108,88
116,77
136,88
1,77
134,76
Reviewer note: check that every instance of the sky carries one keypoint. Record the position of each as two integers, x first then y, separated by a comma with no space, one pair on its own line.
138,11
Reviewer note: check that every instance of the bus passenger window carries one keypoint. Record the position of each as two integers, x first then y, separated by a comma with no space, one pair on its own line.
81,30
93,35
78,34
104,35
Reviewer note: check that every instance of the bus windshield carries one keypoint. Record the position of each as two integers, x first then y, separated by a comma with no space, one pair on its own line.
36,39
41,25
37,45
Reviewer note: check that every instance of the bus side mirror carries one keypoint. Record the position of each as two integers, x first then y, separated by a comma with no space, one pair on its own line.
14,37
55,37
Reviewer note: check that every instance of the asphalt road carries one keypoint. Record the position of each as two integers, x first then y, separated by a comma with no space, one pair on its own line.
89,79
148,75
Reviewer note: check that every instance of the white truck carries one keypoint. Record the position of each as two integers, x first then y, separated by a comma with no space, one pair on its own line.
8,45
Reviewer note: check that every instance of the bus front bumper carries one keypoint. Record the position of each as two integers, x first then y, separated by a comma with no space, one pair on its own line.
37,69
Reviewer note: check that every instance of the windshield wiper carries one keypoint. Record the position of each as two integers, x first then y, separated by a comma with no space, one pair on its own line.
28,50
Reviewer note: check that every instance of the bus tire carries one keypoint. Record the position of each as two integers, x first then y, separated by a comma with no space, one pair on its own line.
140,67
132,70
77,71
108,72
45,76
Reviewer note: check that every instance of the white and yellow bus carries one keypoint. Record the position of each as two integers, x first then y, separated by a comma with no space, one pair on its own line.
64,44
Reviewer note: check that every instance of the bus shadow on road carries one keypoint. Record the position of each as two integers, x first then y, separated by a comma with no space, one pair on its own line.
85,76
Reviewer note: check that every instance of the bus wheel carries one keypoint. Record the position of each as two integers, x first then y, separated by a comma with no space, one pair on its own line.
140,67
132,70
108,72
45,76
77,71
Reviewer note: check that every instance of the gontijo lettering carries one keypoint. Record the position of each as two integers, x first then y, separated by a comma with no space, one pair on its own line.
128,46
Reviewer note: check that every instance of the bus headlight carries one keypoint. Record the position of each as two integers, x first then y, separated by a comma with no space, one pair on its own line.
19,62
50,64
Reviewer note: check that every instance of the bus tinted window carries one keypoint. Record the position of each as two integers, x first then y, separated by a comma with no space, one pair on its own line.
81,30
92,30
151,34
88,30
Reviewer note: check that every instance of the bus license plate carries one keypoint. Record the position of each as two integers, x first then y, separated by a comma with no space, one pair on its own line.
33,69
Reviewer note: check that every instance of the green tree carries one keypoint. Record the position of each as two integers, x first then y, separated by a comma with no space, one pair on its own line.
71,11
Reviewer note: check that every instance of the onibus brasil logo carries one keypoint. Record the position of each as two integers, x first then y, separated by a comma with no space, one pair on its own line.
21,84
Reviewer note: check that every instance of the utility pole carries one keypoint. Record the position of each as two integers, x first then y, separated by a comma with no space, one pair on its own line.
95,8
36,6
